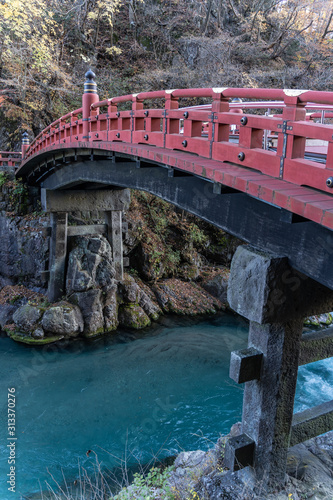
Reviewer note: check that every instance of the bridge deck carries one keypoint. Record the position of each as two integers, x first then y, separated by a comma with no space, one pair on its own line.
304,201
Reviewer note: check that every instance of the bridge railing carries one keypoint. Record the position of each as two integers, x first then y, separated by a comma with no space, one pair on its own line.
205,131
10,159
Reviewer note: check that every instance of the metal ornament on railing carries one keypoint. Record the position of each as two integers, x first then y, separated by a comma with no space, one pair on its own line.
89,97
25,143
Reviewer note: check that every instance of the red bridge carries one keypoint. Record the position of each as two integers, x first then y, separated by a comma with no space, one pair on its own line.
266,178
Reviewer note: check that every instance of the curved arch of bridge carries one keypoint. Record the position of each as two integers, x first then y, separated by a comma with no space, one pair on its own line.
248,173
262,225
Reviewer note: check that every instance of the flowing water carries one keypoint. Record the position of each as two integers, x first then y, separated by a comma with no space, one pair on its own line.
145,394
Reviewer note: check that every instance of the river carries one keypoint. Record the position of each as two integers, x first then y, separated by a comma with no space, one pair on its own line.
134,395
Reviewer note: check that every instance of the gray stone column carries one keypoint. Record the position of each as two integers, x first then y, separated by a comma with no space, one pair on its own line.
274,298
113,219
268,402
57,256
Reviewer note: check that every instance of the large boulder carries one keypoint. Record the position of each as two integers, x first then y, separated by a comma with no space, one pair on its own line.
90,304
27,317
63,319
89,265
133,316
110,310
132,292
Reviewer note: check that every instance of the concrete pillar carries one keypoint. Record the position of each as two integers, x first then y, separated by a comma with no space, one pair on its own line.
274,298
57,258
113,219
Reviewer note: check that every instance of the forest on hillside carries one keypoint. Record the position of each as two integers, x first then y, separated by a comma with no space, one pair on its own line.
46,46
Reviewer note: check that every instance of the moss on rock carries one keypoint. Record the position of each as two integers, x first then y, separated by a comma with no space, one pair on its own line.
133,316
26,338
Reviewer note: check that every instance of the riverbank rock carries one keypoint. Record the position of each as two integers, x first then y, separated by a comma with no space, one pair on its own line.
90,304
134,291
63,319
23,250
185,298
26,317
215,281
309,474
133,316
6,314
42,325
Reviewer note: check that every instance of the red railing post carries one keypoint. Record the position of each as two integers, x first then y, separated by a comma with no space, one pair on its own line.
171,103
138,122
88,98
294,111
25,143
220,104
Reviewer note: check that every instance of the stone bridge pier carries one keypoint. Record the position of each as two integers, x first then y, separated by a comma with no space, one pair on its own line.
59,203
275,299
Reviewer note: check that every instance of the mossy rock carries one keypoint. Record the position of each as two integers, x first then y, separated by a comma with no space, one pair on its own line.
133,316
319,320
27,339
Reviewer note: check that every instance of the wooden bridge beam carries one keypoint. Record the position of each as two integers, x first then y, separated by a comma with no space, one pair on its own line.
113,221
57,256
264,289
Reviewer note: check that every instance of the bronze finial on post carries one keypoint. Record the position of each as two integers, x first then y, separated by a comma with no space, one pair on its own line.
88,98
25,143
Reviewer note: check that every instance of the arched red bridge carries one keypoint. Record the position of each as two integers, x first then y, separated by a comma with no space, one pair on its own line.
255,162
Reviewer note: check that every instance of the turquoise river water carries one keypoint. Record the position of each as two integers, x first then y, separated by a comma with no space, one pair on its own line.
142,394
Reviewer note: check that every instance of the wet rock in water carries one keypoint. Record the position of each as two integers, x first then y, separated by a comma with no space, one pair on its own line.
149,306
131,292
110,310
63,319
133,316
26,317
90,305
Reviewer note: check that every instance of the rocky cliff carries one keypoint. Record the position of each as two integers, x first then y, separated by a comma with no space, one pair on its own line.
170,270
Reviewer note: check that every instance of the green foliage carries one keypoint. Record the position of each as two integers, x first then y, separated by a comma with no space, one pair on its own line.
197,236
144,486
18,196
3,178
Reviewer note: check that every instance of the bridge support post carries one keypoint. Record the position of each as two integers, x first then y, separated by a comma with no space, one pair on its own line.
113,220
275,298
57,258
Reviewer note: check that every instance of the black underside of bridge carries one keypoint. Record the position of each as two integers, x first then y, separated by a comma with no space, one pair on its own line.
307,245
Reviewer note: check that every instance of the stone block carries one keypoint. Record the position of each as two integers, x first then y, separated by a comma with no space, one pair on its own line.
80,200
265,289
245,365
239,452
